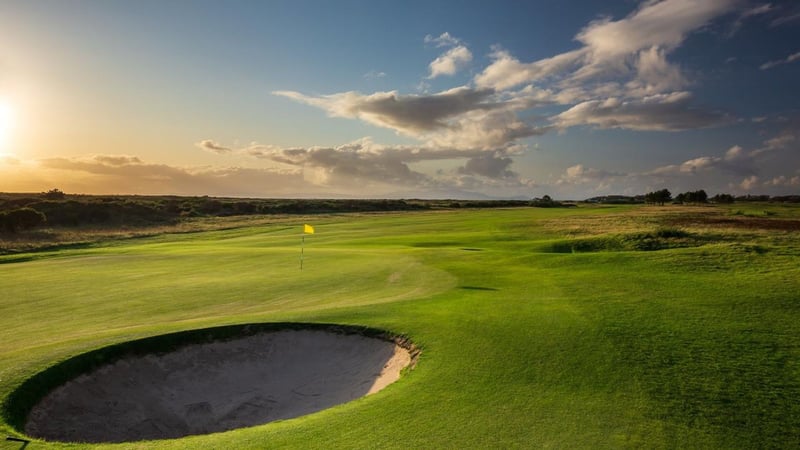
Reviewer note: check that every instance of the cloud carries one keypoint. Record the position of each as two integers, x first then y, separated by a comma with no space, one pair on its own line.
123,174
783,181
654,74
662,112
782,140
213,147
749,183
619,78
788,138
363,164
757,10
613,48
374,74
578,174
443,40
450,62
117,160
408,114
657,23
785,19
462,117
491,165
735,161
789,59
505,71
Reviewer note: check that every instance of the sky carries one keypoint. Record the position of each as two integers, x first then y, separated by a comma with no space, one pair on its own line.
413,99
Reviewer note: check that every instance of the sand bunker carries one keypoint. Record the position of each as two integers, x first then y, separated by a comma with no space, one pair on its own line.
217,386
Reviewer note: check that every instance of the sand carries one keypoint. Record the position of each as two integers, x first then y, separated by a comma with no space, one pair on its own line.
218,386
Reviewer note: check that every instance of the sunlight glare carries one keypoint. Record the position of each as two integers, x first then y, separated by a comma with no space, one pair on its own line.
6,124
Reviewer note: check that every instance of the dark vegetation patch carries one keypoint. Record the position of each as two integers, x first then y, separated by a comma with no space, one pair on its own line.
78,210
19,403
436,244
479,288
661,239
747,222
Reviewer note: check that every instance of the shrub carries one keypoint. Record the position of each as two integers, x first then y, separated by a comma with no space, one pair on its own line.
21,219
54,194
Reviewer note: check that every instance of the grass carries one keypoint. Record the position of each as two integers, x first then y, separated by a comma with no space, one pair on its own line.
692,344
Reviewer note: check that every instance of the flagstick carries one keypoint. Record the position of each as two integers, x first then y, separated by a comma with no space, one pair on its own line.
302,245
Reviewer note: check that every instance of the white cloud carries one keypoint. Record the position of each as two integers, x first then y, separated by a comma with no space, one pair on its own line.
408,114
789,59
450,62
662,112
783,181
462,117
505,71
620,76
663,24
363,164
749,183
654,74
443,40
615,48
579,174
786,139
374,74
735,161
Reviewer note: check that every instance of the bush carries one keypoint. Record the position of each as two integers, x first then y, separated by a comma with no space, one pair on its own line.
21,219
54,194
671,233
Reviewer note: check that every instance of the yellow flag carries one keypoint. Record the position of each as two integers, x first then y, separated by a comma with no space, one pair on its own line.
308,229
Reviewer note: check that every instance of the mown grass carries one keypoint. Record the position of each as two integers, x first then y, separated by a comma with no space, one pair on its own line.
690,345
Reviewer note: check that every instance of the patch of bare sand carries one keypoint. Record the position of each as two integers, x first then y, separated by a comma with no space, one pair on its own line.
217,386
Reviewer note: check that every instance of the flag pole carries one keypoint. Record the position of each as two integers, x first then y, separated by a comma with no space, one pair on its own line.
307,229
302,245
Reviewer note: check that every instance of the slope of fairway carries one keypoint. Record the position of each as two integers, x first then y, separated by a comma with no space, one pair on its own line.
695,345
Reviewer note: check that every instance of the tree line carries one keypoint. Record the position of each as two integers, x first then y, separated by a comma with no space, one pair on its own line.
700,196
25,211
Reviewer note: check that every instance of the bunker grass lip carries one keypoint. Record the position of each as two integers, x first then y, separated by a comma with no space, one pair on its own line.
209,380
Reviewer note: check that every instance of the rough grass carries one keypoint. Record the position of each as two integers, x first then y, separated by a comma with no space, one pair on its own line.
690,346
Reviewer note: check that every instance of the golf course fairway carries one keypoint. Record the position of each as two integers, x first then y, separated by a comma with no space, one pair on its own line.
587,327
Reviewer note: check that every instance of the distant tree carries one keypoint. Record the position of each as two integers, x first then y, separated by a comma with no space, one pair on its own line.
692,197
659,197
701,196
752,198
546,202
54,194
722,198
21,219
